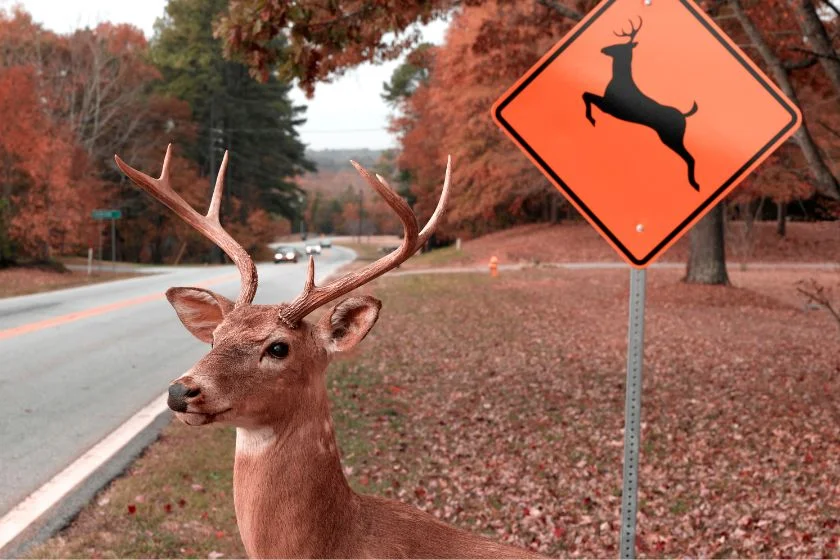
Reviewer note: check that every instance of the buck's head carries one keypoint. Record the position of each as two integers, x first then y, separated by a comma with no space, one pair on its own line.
266,363
624,50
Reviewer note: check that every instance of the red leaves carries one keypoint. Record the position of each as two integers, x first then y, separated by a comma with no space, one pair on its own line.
541,464
132,509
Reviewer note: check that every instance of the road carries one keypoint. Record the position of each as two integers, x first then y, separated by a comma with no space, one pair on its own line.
75,364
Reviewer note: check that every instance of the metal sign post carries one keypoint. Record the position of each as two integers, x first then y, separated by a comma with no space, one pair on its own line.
112,215
113,245
633,412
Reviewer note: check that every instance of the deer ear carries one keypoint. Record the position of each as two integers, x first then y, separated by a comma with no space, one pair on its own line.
200,310
348,323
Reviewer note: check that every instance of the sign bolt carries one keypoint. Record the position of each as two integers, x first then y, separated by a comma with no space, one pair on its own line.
640,228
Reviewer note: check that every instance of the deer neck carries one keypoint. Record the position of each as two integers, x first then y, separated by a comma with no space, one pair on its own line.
621,70
289,489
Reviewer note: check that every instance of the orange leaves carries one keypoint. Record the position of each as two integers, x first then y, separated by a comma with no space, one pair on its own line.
39,161
486,48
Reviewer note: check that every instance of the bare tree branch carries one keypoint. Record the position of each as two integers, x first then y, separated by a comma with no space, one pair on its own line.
829,129
799,65
559,8
818,294
815,54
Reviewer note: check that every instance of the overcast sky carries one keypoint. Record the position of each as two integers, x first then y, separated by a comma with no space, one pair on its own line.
348,113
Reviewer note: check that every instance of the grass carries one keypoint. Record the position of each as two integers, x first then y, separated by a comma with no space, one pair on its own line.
437,257
497,405
22,281
365,251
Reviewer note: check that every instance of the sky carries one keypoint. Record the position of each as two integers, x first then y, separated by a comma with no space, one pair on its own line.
347,113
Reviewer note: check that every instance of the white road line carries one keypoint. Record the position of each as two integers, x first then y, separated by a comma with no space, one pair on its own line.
30,509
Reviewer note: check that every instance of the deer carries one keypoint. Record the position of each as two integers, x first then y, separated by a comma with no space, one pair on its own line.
265,374
625,101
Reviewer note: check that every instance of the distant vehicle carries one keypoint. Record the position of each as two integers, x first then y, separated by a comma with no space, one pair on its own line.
325,243
313,249
286,254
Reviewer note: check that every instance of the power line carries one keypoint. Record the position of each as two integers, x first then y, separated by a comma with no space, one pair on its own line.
300,131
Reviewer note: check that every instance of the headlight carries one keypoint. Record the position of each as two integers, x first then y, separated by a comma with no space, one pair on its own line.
290,255
278,255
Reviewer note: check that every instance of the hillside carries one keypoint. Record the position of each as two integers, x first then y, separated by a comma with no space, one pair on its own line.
335,173
339,160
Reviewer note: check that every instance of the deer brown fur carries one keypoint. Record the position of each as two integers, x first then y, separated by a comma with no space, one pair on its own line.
266,375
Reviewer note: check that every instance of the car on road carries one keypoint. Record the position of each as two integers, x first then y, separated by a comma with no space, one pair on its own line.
314,249
325,243
286,254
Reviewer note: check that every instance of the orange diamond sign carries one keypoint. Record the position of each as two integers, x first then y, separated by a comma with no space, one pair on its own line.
644,117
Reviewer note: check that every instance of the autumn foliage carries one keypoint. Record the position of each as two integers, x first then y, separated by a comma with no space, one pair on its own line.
68,103
442,94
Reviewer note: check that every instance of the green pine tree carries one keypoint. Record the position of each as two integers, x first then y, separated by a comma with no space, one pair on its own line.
254,121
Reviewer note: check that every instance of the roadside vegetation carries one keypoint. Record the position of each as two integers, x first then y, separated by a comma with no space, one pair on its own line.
20,281
498,404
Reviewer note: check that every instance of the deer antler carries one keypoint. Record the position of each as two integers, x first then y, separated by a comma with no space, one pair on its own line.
633,30
314,297
209,225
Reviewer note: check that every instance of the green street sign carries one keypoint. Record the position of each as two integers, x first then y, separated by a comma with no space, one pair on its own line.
106,214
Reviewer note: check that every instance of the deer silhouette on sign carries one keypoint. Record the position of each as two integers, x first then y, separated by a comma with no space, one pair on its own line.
625,101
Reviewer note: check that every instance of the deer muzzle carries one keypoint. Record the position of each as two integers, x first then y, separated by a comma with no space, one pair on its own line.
181,392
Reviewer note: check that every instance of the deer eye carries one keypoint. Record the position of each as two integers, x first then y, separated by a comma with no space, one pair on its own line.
278,350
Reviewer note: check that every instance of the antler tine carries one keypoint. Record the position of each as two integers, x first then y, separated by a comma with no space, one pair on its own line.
431,225
218,189
209,225
634,28
313,296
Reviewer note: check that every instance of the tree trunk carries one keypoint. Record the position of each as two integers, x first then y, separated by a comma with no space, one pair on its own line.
707,259
546,209
781,219
748,211
818,39
826,183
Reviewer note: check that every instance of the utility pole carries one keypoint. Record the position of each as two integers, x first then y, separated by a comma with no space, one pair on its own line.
361,213
114,245
216,253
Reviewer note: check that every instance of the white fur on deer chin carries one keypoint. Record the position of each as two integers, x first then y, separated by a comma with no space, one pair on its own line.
250,442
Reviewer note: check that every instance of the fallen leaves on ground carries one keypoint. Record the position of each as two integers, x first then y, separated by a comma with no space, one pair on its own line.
579,242
498,405
510,412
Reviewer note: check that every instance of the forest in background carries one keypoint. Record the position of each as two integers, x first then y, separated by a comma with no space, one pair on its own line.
69,102
442,95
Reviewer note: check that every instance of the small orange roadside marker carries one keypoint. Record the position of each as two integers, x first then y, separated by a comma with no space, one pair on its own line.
494,266
645,116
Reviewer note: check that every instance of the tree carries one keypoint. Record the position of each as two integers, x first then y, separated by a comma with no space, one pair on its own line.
818,38
410,75
327,38
254,122
826,183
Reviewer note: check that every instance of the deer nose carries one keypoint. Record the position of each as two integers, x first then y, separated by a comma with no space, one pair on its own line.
179,392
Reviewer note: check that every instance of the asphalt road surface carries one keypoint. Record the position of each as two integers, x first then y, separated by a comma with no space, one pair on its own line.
75,364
